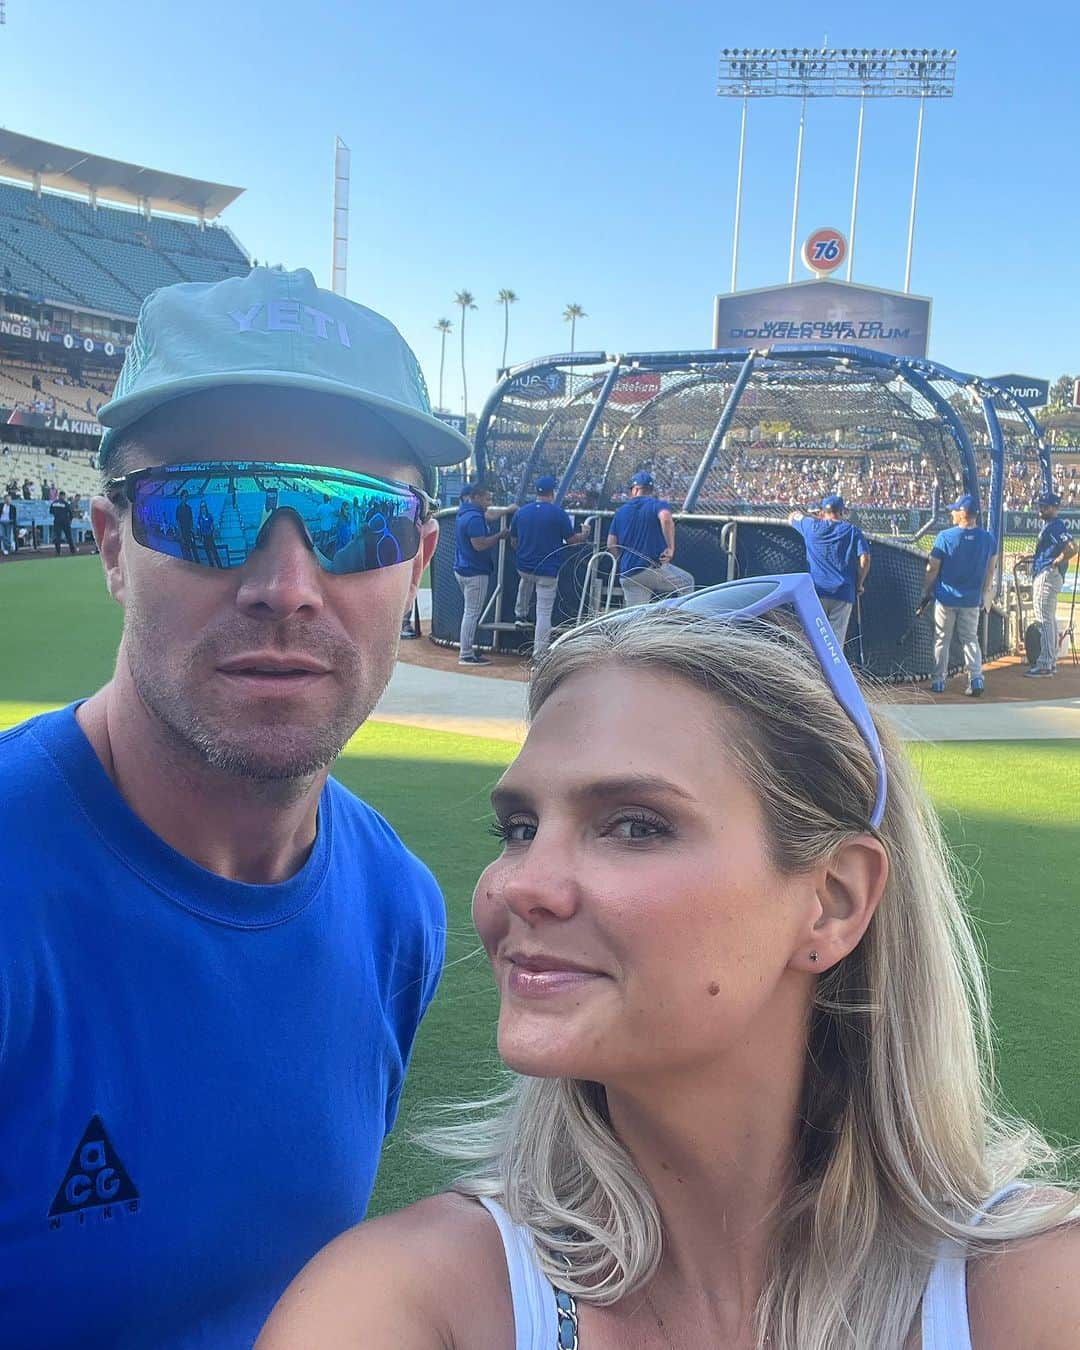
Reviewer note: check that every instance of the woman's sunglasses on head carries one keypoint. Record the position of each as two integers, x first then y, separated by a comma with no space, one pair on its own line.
755,596
217,513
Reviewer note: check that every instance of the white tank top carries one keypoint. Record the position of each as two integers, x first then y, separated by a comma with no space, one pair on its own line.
538,1324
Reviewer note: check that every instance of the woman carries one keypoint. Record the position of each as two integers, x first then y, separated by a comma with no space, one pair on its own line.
749,1032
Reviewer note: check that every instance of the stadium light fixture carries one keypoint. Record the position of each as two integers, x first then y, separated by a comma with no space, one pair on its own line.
826,72
847,72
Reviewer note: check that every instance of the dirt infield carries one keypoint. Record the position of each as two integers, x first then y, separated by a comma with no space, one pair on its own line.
1005,682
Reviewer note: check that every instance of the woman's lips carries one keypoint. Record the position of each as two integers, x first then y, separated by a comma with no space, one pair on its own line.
542,977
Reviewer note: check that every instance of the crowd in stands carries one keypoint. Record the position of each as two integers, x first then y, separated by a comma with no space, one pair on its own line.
1022,482
52,390
30,473
771,477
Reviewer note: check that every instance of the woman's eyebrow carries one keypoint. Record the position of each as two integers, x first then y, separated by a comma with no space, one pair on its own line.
508,798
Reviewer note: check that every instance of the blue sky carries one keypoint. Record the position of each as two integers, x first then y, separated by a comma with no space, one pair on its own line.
577,152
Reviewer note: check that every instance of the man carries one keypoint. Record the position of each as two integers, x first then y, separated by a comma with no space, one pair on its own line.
642,539
1049,566
959,576
537,534
185,523
9,525
206,1023
837,558
327,525
61,528
474,562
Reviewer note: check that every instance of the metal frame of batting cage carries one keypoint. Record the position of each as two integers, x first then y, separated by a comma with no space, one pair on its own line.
920,374
702,366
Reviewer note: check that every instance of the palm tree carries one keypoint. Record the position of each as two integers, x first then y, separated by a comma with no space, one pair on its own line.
571,314
506,299
466,301
444,327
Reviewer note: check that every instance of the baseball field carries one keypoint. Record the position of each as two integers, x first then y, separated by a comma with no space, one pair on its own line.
1009,809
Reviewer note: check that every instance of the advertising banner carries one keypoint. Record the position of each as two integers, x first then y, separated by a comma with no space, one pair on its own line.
824,311
11,326
538,384
1026,389
455,420
69,426
639,387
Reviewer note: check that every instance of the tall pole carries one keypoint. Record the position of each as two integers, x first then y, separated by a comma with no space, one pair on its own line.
914,197
795,203
341,216
855,191
738,199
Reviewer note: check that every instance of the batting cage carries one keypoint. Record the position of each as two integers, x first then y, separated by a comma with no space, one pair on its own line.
738,439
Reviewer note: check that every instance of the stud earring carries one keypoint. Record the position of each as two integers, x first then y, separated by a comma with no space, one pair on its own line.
813,956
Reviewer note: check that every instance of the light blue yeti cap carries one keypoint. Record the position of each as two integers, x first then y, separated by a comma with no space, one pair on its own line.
276,329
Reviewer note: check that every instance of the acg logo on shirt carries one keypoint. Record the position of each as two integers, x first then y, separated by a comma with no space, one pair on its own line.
95,1179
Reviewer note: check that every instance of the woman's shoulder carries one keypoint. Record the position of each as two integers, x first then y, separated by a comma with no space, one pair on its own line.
1028,1293
430,1277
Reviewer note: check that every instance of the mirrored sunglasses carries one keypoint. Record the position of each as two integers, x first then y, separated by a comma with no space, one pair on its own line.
216,514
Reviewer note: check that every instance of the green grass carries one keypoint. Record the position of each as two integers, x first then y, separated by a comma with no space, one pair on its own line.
1008,809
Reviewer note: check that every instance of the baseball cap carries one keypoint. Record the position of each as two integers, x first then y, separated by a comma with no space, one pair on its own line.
833,502
1048,499
642,479
965,502
546,483
276,328
470,488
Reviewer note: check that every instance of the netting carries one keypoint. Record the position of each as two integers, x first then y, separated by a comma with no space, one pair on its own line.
735,434
885,640
889,435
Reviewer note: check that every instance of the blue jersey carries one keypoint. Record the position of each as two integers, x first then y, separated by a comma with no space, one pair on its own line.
964,554
833,550
197,1075
471,524
636,525
541,529
1053,538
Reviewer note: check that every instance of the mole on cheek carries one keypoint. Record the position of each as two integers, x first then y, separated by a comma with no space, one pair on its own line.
714,988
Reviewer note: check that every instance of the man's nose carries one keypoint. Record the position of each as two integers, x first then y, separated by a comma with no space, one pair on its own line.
281,576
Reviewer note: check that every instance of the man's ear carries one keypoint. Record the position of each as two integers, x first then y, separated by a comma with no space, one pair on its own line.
848,887
108,522
429,537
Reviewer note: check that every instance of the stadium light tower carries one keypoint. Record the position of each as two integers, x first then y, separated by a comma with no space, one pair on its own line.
830,72
339,257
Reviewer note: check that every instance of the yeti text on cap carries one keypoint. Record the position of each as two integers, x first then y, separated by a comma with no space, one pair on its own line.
289,316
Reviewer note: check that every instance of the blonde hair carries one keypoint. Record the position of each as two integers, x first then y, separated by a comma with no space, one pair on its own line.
899,1143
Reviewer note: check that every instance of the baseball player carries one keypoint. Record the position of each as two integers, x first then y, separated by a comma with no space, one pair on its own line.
1049,565
958,579
642,538
837,558
474,563
538,533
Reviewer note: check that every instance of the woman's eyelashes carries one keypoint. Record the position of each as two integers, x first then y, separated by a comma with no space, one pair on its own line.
637,826
513,830
630,826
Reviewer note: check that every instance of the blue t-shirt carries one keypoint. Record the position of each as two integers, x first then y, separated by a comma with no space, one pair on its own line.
541,529
471,524
965,554
1052,539
196,1074
636,525
833,550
